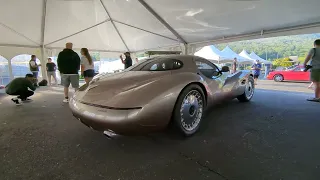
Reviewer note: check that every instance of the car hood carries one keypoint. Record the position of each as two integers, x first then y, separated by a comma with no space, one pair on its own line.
120,90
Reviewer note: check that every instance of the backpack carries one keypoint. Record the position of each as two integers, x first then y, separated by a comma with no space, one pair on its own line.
43,83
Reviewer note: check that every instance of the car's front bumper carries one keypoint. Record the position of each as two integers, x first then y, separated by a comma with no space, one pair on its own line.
120,121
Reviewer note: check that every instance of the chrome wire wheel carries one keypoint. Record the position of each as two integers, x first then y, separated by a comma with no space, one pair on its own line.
191,110
249,90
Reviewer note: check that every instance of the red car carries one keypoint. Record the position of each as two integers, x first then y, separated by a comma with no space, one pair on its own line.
293,74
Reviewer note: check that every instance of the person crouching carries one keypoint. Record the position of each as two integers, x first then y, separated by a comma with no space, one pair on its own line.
19,87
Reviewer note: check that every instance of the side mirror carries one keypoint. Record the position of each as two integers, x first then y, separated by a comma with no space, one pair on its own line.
225,69
216,73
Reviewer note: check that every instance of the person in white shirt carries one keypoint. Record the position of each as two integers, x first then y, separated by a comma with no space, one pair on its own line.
87,65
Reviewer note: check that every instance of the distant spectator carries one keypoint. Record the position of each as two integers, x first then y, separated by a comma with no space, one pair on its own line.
137,60
87,65
234,65
127,61
20,87
69,66
51,71
256,67
34,68
314,56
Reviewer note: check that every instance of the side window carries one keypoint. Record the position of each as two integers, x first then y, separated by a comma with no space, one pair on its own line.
163,65
210,71
297,69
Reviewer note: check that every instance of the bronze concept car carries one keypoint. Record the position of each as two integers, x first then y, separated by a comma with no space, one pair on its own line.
149,95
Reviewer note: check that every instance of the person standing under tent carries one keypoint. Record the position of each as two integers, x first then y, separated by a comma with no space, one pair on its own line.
234,65
34,68
127,61
51,71
314,56
69,66
87,65
256,67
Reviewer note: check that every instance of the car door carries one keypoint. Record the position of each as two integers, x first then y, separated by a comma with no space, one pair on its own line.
297,74
212,77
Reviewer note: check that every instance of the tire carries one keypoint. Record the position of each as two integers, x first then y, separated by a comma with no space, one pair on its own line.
248,92
278,78
189,109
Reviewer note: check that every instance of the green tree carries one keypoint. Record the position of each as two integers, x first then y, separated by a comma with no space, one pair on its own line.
283,62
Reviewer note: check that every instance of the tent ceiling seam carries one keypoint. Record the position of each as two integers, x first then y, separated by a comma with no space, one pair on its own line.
43,25
114,26
83,30
144,30
16,32
157,16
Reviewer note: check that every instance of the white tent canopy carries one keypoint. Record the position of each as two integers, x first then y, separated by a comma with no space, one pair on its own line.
137,25
246,55
232,54
214,54
256,57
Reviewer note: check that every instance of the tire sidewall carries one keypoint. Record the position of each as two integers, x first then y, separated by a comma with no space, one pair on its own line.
177,115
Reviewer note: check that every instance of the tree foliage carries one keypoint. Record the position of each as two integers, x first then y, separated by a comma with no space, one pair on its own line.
283,62
275,48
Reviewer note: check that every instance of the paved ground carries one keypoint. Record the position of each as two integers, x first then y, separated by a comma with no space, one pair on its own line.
271,137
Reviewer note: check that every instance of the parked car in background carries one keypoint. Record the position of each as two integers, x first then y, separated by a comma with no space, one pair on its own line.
295,73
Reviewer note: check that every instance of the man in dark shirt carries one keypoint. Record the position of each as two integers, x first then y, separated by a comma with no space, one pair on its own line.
19,87
128,61
69,66
51,71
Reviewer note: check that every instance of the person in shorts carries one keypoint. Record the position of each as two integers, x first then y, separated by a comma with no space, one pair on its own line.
87,65
51,71
69,66
20,87
234,66
314,57
256,69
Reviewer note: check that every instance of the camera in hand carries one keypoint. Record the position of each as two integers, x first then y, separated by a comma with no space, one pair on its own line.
307,68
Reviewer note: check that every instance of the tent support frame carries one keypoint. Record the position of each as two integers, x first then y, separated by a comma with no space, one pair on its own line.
115,27
16,32
144,30
156,15
78,32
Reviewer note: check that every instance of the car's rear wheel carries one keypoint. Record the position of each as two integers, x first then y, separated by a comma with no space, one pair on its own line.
248,92
278,78
188,111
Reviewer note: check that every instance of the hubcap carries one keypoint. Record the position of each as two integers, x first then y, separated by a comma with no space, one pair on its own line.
249,90
191,110
278,78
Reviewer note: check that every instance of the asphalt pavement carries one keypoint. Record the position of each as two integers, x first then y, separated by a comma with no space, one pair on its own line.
275,136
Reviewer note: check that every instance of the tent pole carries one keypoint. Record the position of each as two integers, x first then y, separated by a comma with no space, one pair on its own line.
43,63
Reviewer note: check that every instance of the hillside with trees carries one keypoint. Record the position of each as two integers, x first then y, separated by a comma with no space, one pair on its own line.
275,48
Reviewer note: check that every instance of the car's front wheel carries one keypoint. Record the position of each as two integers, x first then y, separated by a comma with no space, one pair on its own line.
188,111
248,92
278,78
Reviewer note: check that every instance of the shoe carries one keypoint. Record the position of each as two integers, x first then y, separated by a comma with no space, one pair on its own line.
26,100
66,100
16,101
314,99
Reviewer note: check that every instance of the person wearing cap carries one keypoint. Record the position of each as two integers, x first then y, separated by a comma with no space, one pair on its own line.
127,61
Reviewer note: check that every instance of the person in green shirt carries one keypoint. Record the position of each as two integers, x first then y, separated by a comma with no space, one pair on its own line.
20,87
